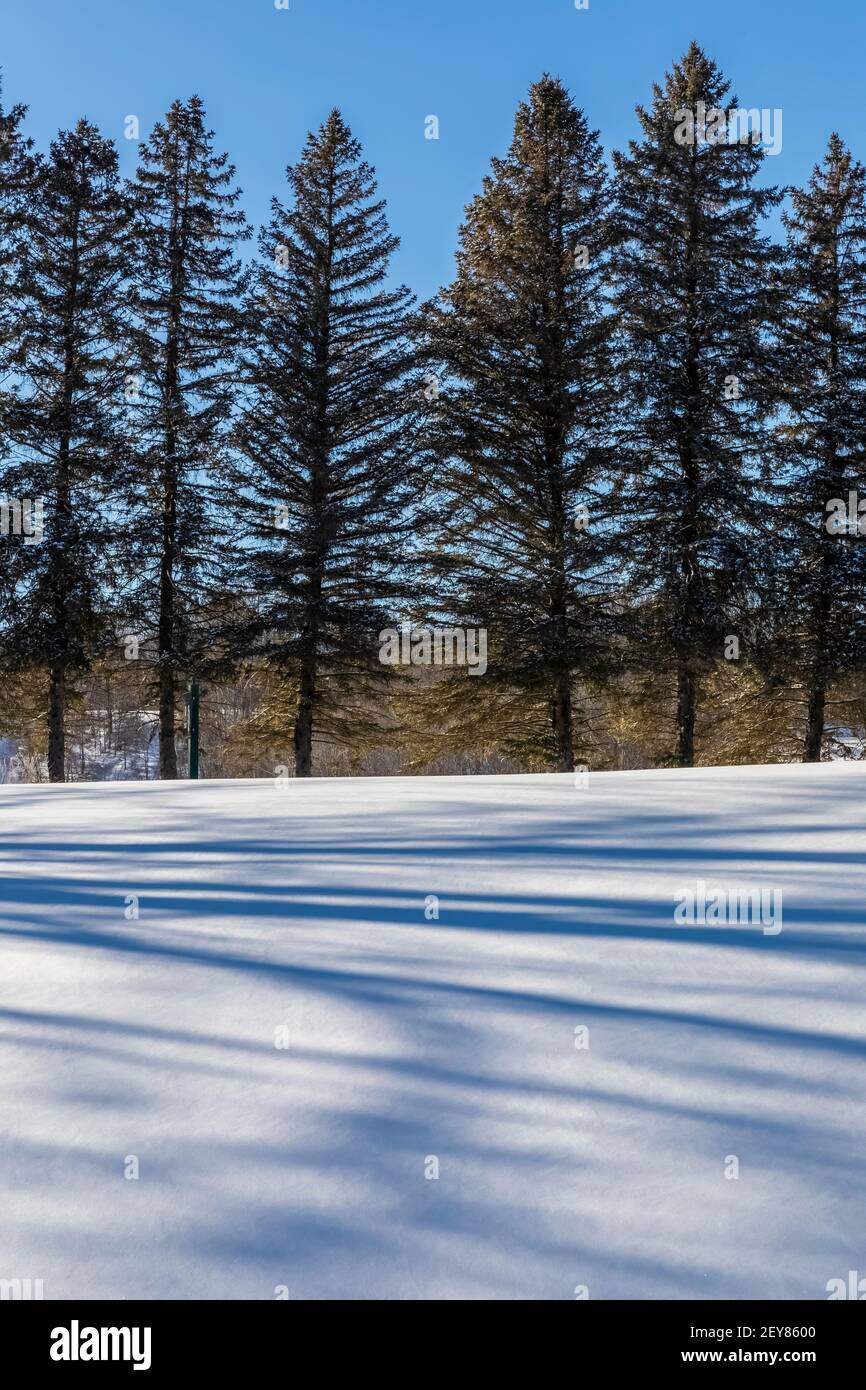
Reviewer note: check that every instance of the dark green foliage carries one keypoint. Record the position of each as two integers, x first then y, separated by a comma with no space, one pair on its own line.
17,169
187,285
523,344
690,271
820,374
66,451
326,434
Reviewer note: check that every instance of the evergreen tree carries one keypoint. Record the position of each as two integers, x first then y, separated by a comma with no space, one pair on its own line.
689,273
821,376
522,340
326,435
66,449
17,167
187,288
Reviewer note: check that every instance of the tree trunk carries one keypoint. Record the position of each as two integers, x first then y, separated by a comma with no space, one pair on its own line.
686,705
817,686
816,713
304,717
814,725
167,744
689,558
57,725
563,733
63,523
307,675
174,414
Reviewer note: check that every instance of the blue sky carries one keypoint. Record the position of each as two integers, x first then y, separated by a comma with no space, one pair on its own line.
268,75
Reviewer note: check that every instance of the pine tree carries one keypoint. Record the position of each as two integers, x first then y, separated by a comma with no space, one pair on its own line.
820,363
327,435
66,446
187,289
689,272
522,341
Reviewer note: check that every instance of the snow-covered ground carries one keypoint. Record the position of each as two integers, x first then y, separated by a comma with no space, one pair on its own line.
289,1046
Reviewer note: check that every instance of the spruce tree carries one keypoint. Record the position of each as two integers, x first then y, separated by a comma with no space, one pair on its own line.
690,270
521,340
17,168
187,289
326,436
66,447
820,361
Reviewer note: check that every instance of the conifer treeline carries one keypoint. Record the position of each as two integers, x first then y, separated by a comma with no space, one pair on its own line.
613,442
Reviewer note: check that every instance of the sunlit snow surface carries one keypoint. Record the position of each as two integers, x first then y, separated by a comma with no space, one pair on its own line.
290,1047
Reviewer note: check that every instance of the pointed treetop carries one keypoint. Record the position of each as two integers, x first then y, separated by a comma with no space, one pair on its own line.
333,137
695,77
548,105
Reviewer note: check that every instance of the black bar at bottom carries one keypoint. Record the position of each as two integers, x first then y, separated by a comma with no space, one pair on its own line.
157,1339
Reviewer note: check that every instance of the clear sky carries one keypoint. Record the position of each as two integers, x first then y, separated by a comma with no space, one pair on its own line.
268,75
